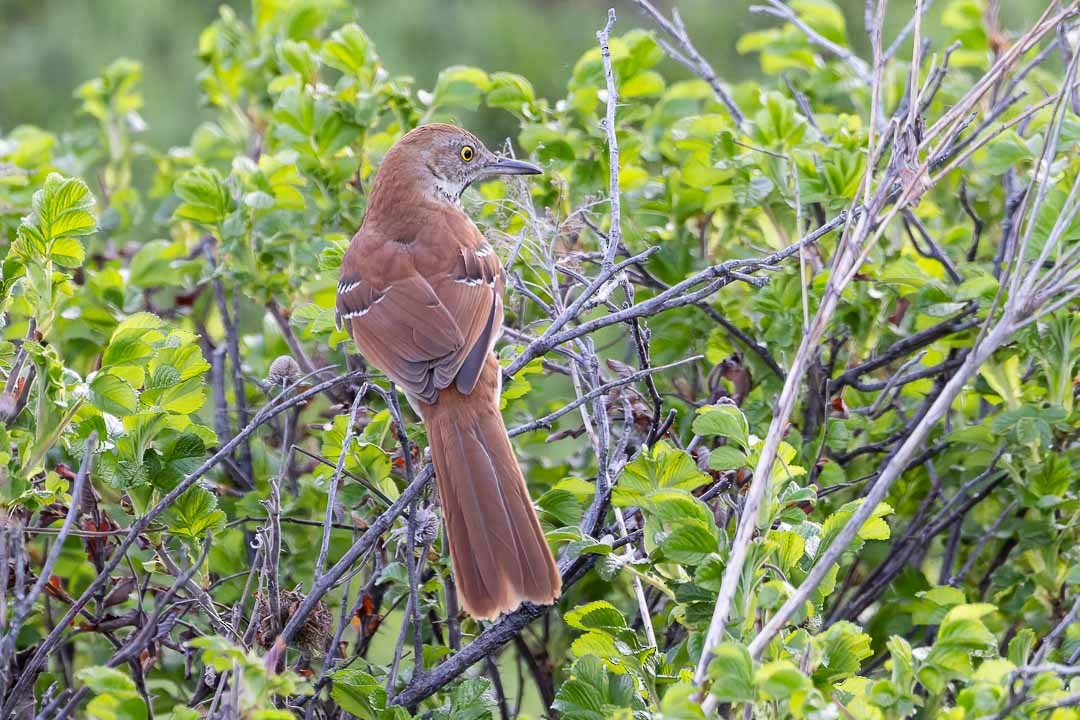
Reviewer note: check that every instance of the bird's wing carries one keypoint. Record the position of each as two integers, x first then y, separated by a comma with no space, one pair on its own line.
431,325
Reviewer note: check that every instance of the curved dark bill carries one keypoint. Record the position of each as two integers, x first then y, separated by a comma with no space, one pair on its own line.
507,166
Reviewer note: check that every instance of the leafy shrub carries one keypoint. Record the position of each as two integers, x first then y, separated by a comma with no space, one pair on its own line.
801,424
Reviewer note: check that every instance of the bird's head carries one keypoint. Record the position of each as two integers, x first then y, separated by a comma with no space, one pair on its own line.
442,160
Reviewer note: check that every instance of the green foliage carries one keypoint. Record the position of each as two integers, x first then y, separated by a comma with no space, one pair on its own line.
114,692
130,269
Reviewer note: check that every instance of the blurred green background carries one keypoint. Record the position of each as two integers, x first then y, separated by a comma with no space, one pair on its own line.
48,47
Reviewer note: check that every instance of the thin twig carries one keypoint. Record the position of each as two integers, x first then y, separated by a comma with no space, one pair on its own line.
331,490
687,55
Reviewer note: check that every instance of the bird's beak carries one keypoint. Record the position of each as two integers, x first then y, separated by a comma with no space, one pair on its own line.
508,166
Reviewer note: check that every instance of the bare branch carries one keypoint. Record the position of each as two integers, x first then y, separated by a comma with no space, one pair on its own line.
688,56
777,9
331,490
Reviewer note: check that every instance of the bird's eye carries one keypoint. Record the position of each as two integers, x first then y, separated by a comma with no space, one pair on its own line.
467,153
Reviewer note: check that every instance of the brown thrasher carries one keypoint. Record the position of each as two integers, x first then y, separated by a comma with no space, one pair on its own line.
421,293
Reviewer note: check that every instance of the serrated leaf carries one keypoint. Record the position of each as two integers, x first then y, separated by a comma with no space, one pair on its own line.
563,505
182,398
62,208
663,467
185,453
789,548
349,50
101,679
67,252
675,506
460,86
690,542
205,197
599,615
358,693
113,395
732,673
195,513
599,644
780,680
723,421
844,647
727,457
510,92
125,350
593,693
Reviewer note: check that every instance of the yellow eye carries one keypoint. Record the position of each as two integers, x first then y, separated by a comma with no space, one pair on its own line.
467,153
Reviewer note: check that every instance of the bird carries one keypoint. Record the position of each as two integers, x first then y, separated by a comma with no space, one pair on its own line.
421,293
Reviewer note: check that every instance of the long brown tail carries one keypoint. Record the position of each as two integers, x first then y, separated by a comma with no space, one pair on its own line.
499,553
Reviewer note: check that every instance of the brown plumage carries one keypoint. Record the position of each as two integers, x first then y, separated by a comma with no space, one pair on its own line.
421,292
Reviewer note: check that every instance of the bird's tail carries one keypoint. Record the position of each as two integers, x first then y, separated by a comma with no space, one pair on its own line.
499,553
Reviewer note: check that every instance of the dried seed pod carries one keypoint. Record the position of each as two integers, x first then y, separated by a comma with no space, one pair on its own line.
283,371
427,527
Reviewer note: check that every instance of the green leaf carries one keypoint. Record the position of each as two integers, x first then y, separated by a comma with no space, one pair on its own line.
126,350
727,457
470,699
349,50
67,252
510,92
644,84
680,703
112,395
101,679
1005,151
752,191
778,123
1004,378
731,672
781,680
598,644
592,693
790,547
358,693
194,513
460,86
962,625
723,421
935,603
676,506
157,263
112,707
185,453
563,505
599,615
1049,481
690,542
844,647
661,468
875,528
961,636
205,197
63,208
823,16
183,399
1020,646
